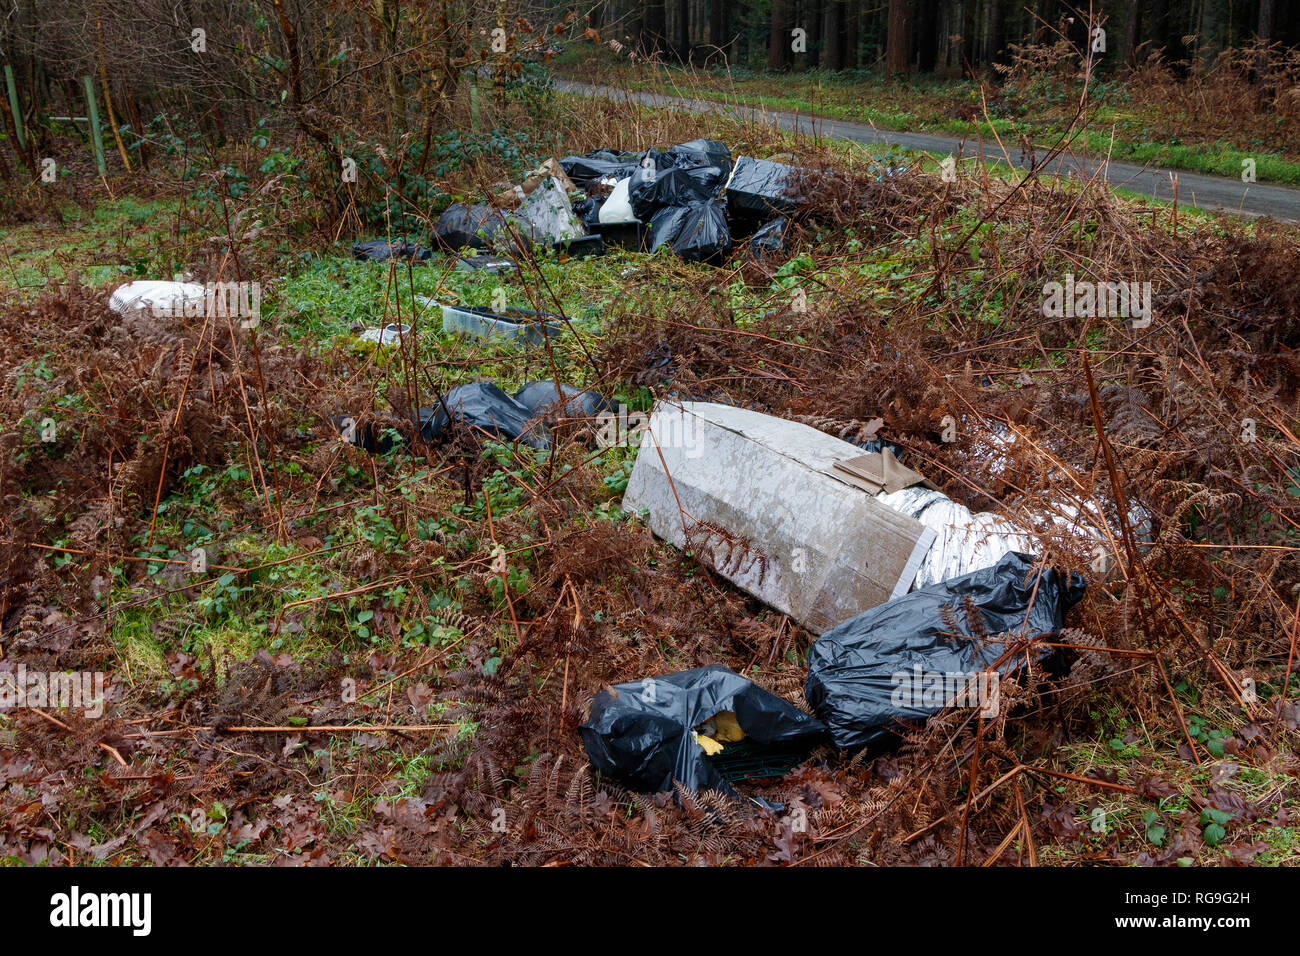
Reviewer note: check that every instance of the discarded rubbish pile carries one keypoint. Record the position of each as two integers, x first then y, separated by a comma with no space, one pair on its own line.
704,728
809,531
689,197
894,666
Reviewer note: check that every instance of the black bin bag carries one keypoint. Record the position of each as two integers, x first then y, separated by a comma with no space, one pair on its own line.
641,734
897,664
671,186
587,171
381,250
483,406
697,231
761,188
769,238
541,398
462,225
705,152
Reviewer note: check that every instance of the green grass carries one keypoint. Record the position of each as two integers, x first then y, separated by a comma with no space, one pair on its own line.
118,240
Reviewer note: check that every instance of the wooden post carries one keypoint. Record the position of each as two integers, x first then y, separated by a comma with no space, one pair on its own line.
13,107
96,138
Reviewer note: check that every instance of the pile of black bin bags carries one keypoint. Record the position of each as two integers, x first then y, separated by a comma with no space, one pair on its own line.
690,198
861,682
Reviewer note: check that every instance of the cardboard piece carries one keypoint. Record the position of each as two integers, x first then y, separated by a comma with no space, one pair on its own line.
879,471
511,196
762,503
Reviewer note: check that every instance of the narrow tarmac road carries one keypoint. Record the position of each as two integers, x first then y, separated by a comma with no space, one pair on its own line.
1216,193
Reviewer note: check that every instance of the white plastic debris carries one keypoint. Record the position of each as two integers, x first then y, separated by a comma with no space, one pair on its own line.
967,541
617,208
388,335
159,298
547,215
964,541
759,499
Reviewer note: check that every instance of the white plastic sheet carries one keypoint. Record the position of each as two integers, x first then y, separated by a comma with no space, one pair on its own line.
156,297
964,541
388,335
617,208
547,215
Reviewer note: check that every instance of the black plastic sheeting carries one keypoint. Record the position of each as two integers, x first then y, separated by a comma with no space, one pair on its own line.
868,677
697,231
381,250
706,152
586,171
769,238
462,225
581,247
484,406
674,186
541,398
588,210
760,187
640,734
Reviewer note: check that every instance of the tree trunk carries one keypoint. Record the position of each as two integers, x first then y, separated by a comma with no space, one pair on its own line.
778,41
969,30
683,44
852,23
1131,33
927,35
387,15
832,35
996,41
899,49
812,22
653,26
1264,29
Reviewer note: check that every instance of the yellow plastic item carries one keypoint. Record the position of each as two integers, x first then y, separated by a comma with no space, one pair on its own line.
710,745
727,729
